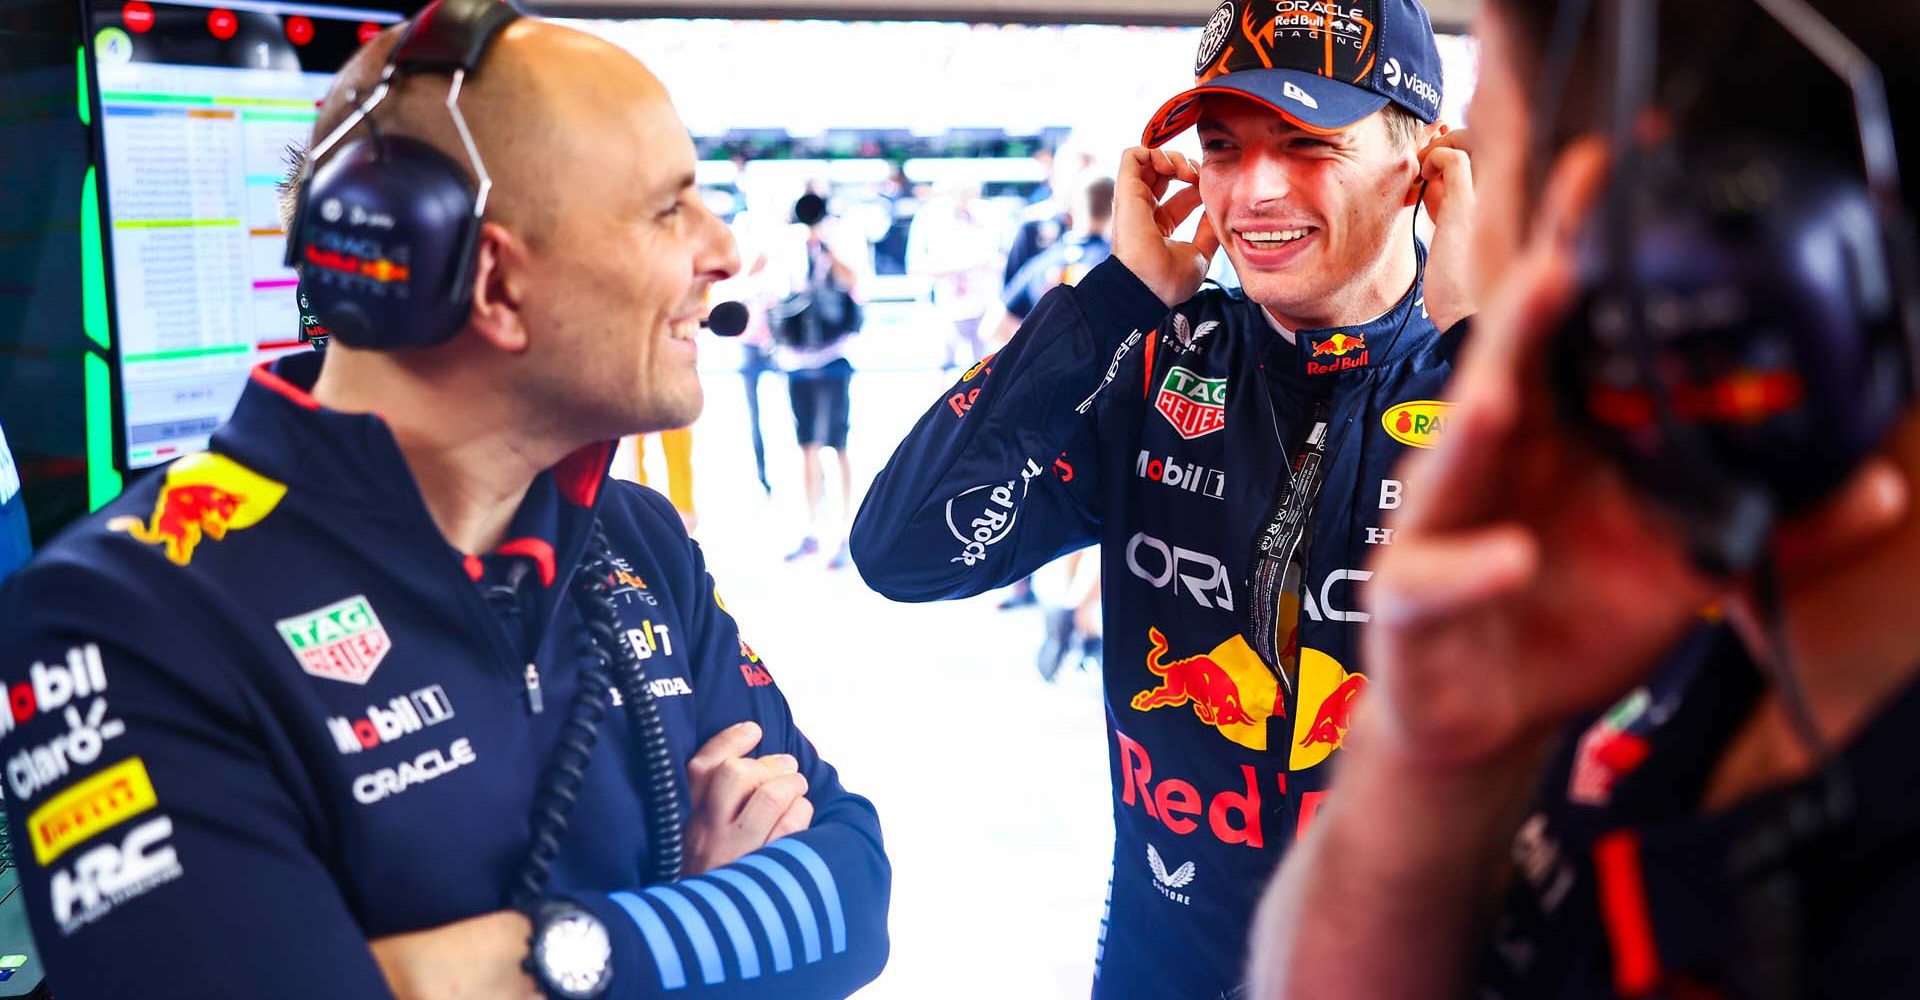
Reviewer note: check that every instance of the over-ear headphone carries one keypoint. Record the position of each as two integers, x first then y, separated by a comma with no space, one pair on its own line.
385,228
1747,325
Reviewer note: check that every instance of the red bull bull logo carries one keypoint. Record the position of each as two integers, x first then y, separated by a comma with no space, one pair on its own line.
1327,696
1340,345
1228,687
204,496
1344,351
752,670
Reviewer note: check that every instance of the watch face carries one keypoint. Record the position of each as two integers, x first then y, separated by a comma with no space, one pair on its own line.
575,955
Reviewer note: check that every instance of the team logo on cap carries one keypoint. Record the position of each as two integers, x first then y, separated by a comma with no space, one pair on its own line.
1332,39
1410,82
1214,37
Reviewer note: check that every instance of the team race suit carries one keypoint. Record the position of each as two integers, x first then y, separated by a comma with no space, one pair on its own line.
260,713
1166,437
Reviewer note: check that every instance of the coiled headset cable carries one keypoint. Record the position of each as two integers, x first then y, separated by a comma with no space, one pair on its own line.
611,664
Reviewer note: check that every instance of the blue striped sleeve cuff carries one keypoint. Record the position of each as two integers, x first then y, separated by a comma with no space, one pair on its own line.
773,911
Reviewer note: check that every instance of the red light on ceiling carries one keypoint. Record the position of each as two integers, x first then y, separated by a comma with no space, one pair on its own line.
368,29
299,30
137,16
222,23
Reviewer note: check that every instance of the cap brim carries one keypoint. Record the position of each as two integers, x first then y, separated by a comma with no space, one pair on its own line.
1307,100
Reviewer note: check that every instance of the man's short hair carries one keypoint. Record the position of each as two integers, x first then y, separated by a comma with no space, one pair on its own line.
1402,127
287,191
1100,199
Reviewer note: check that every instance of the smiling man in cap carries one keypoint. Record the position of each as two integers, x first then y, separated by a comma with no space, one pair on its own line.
1230,453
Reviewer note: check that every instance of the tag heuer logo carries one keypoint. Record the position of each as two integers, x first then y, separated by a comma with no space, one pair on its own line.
1195,406
340,642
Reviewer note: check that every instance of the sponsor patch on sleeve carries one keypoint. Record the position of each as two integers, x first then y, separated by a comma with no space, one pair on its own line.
96,804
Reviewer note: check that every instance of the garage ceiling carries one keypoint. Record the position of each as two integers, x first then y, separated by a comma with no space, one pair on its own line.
1453,15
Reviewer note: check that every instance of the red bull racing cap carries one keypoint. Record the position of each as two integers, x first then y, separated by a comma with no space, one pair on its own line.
1320,64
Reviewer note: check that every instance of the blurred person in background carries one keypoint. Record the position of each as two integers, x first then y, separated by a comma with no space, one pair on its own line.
1166,423
953,246
1085,243
890,250
676,455
812,349
1071,616
1050,213
1565,782
755,344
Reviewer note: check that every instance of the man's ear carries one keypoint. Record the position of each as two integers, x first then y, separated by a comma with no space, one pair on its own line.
499,268
1421,141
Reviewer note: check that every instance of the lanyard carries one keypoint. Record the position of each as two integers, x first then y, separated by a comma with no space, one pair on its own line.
1277,552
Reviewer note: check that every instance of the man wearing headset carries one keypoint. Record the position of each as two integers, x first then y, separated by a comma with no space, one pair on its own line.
296,716
1189,432
1497,830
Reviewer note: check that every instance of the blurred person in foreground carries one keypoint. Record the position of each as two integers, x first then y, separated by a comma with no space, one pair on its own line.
1161,420
313,713
1562,782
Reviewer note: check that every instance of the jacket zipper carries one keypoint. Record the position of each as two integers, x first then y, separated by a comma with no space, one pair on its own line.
534,701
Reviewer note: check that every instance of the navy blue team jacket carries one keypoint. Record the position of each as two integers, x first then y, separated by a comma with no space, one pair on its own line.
260,713
1623,887
1164,437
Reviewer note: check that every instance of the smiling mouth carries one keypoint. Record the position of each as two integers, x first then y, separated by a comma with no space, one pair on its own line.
1269,239
684,329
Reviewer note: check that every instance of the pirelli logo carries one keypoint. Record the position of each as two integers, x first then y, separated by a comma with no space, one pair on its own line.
99,803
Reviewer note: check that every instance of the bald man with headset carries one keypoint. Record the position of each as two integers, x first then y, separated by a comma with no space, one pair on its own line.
394,691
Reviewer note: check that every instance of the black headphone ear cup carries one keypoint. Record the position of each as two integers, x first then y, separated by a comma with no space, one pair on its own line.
1768,321
386,230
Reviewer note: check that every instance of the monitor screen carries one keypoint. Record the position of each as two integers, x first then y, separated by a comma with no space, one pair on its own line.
197,104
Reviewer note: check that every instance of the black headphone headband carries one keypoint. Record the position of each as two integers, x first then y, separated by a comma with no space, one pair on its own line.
451,35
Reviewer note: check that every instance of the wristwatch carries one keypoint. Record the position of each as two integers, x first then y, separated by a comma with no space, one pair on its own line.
570,955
